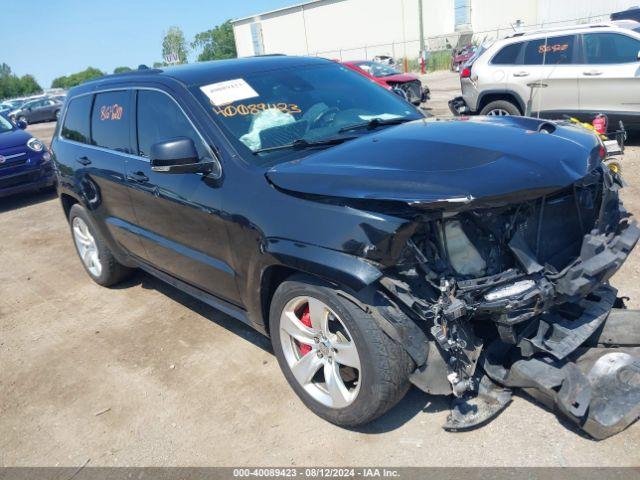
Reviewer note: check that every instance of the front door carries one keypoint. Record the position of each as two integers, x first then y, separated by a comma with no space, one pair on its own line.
554,75
179,215
610,77
103,179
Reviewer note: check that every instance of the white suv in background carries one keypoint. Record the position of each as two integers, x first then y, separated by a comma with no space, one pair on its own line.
579,71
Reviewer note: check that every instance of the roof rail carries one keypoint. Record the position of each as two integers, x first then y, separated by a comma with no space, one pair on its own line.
558,29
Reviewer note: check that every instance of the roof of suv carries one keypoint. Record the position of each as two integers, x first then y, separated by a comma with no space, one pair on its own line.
204,72
568,30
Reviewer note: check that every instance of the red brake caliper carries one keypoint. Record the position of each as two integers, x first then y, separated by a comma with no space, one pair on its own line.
306,320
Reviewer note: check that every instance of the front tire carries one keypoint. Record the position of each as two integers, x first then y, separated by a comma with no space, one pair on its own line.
334,355
97,259
500,108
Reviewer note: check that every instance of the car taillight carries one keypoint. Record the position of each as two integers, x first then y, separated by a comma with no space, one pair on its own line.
465,72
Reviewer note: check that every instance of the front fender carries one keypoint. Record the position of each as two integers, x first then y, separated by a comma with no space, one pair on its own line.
332,265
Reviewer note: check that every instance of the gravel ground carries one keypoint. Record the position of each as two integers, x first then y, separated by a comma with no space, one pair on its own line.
143,375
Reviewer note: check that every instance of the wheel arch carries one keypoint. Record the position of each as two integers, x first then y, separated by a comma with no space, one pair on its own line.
287,258
67,201
508,95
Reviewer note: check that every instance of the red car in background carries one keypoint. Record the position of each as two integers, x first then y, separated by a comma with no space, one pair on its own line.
406,84
462,56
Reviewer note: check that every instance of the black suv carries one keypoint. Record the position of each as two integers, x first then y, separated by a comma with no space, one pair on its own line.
375,247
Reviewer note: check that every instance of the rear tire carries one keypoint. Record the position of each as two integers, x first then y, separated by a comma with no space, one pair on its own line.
500,108
384,366
96,257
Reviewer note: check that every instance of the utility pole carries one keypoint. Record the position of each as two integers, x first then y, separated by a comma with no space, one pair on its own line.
421,24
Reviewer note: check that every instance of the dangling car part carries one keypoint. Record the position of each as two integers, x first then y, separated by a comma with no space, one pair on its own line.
496,285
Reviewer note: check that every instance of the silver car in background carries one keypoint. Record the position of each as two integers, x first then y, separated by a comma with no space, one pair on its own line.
578,71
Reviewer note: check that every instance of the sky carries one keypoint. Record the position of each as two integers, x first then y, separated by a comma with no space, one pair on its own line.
50,38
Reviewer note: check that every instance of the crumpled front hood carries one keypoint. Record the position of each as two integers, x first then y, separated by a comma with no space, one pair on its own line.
447,163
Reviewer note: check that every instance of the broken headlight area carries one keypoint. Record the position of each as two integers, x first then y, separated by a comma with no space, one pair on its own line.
508,294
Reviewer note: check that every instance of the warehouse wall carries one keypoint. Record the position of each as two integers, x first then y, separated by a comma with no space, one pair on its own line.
347,28
356,29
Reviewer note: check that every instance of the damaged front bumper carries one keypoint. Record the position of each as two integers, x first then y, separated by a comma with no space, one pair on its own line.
559,334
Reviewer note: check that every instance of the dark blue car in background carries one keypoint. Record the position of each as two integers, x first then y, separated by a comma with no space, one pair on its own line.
25,162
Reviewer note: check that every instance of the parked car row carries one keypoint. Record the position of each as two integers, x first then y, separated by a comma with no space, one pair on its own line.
38,108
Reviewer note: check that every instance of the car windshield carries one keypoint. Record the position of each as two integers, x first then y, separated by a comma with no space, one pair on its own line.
377,70
272,116
5,125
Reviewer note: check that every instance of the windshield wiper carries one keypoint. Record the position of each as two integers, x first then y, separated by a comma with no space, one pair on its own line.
301,144
375,123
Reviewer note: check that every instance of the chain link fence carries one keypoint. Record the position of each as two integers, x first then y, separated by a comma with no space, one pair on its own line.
440,48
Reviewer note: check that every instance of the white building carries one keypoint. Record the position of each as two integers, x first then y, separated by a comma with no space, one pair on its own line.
357,29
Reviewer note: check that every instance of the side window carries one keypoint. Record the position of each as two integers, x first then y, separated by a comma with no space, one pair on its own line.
508,55
602,48
110,121
160,119
550,51
76,120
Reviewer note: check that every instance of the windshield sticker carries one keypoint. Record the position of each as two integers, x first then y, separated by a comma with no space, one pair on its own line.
255,108
553,48
223,93
111,112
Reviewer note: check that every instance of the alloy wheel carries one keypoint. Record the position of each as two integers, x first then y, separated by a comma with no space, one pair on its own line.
498,112
87,246
320,352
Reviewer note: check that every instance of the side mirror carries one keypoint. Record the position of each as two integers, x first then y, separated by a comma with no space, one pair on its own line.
178,155
638,56
21,124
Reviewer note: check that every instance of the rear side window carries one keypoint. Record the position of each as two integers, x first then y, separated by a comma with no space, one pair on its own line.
76,120
550,51
508,55
110,121
160,119
602,48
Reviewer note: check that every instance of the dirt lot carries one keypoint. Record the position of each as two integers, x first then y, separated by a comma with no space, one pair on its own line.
144,375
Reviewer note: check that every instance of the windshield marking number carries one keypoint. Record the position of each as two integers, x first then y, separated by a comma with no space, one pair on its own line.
255,108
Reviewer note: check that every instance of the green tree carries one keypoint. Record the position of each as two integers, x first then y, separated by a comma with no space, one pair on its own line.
28,85
122,69
5,70
76,78
13,86
215,44
174,42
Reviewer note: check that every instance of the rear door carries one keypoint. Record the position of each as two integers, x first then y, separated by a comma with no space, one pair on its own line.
103,166
609,80
180,215
554,70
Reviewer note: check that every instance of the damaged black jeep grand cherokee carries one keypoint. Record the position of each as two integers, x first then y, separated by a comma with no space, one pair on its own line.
376,248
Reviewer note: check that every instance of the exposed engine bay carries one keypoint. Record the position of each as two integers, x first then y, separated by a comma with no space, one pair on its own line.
518,296
490,262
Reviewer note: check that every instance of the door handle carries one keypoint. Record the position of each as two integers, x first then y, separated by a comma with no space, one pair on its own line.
521,74
592,73
83,161
138,177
